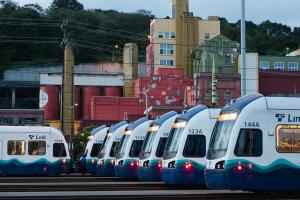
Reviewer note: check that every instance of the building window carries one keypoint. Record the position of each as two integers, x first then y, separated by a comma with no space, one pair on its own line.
227,96
29,120
227,61
207,95
6,121
288,138
36,148
166,62
167,35
166,49
207,36
279,65
249,143
173,35
264,65
16,147
293,66
160,35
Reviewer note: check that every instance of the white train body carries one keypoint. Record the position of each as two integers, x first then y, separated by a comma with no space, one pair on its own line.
33,150
130,147
184,157
256,145
111,143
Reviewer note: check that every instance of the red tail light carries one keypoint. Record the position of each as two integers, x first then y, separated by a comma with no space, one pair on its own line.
239,167
188,165
132,164
159,164
250,166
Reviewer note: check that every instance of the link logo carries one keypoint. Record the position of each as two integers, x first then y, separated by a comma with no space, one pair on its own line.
280,117
290,118
31,136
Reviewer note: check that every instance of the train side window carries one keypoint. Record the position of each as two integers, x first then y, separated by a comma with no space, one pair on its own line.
113,149
288,139
195,146
136,148
16,147
249,143
59,150
161,147
36,148
95,150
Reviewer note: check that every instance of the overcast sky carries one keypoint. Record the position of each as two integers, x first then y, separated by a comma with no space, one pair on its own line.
282,11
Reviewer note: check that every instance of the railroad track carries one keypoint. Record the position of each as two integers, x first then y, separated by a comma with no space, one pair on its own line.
92,187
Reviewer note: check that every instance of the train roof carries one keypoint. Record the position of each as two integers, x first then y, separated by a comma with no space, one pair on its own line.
242,102
29,129
271,103
283,103
135,124
116,126
96,130
192,112
159,121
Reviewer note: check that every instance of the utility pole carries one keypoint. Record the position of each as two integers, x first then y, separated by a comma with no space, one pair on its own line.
243,51
67,100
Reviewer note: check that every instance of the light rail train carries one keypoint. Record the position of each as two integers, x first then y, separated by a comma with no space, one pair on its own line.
33,150
256,145
107,156
184,156
150,165
127,157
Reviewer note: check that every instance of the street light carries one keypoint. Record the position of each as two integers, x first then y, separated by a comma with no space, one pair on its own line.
72,129
145,93
116,46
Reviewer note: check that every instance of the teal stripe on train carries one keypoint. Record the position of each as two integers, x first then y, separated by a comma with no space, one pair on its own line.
39,161
195,164
276,165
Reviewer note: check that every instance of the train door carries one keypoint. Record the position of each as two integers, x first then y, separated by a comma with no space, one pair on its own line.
1,149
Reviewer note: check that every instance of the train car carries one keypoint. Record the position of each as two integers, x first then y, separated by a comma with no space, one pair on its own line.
88,161
184,156
256,145
150,165
33,150
107,156
127,157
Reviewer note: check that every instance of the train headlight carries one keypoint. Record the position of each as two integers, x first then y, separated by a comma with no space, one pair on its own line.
100,162
64,161
112,162
93,161
220,165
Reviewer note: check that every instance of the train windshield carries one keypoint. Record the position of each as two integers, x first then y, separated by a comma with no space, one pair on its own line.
174,139
147,146
221,135
105,144
161,147
122,146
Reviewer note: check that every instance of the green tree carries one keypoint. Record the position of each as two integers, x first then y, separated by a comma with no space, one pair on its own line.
66,4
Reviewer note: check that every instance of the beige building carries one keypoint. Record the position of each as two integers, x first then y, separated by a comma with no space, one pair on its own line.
173,40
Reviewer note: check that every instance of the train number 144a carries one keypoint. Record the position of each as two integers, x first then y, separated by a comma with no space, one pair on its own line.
251,124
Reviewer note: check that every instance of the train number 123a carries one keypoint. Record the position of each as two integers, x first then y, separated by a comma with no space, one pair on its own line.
251,124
